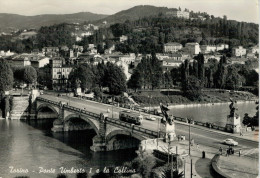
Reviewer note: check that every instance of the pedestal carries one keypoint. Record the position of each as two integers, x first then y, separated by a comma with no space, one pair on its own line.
233,124
169,130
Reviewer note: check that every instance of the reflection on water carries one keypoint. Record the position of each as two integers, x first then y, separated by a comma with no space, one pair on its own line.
216,113
30,145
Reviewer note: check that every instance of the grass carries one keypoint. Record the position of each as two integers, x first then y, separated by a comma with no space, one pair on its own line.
176,97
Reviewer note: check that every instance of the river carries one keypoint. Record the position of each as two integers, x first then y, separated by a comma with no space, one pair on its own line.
30,145
216,113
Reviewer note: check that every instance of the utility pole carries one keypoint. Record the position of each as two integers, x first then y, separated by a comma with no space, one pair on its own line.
177,167
112,107
191,168
158,132
172,166
189,137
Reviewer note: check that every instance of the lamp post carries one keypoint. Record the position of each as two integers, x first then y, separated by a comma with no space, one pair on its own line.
150,96
113,107
158,132
189,134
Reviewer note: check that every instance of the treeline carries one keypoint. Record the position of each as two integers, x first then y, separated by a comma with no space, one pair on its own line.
193,76
150,33
145,35
94,78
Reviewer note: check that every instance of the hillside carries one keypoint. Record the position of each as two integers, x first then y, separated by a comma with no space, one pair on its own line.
134,13
14,21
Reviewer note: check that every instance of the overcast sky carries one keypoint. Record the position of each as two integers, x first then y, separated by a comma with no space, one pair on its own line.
241,10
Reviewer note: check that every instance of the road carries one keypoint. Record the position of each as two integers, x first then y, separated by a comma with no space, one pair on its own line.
201,136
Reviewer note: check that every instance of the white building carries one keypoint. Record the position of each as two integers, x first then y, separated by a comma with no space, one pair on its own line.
179,14
213,48
239,51
172,47
193,48
39,62
123,38
7,53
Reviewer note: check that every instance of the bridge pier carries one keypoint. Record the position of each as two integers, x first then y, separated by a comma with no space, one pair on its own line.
112,134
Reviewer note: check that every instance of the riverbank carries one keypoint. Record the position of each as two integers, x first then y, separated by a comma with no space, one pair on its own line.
172,98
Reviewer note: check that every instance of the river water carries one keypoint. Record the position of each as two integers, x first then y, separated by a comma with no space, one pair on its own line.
216,113
30,145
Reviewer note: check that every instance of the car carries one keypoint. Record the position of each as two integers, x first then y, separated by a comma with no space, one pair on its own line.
230,142
150,118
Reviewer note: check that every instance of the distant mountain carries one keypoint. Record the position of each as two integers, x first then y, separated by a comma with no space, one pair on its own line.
14,21
135,13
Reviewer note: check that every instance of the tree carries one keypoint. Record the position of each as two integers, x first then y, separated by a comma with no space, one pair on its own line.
115,79
83,73
6,76
192,88
29,75
135,81
233,79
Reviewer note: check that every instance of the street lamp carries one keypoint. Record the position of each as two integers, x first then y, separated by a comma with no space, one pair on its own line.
189,134
158,131
150,105
112,106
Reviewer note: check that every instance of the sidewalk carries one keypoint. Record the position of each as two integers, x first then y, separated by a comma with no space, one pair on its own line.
250,135
236,166
200,166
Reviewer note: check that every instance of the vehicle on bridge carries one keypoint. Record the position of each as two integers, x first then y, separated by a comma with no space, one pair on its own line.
230,142
131,117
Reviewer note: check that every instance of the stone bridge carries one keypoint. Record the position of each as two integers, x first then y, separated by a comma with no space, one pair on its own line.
112,134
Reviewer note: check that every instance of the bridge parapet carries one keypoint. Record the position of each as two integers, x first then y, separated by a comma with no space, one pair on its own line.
105,127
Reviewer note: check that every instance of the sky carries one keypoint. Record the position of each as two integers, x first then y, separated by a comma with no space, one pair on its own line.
241,10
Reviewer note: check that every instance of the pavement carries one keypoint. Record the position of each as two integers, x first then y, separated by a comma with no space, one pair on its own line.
244,166
232,165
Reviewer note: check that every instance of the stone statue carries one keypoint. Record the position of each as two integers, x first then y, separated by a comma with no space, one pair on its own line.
232,108
164,110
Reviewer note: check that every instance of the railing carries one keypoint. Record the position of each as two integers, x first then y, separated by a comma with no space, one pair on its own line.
203,124
115,122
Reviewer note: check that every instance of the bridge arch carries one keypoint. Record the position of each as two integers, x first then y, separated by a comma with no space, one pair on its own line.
126,133
47,106
89,121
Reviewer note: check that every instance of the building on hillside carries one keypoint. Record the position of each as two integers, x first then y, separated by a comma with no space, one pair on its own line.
222,47
205,49
179,14
192,48
123,38
49,49
39,61
169,64
172,47
239,51
59,73
21,60
7,53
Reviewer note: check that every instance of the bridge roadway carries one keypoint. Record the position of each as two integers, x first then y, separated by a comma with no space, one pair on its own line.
201,136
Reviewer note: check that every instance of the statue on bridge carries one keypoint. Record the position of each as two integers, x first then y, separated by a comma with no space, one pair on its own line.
233,119
232,108
167,118
168,121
